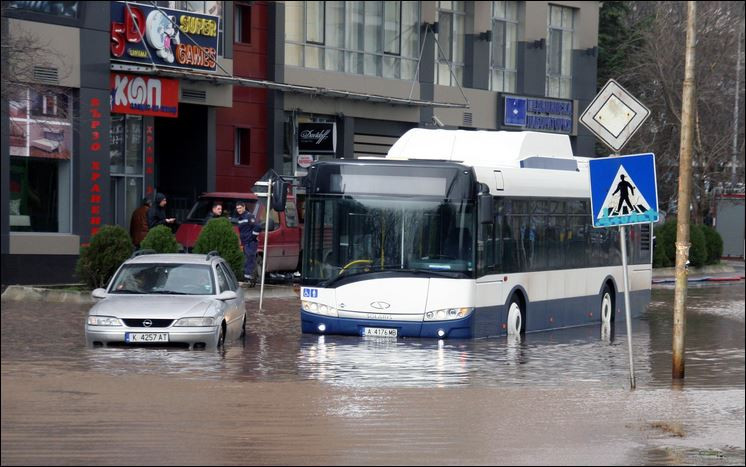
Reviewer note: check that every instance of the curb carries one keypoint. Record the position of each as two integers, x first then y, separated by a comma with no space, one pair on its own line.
27,293
707,270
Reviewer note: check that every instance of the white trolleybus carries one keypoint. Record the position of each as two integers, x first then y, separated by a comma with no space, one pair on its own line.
459,234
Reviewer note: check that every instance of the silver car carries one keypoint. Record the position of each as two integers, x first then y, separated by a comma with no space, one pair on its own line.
186,300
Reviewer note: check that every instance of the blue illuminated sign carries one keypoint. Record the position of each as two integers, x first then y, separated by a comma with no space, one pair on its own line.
533,113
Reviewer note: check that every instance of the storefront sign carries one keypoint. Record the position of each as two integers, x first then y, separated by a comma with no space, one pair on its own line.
539,114
95,215
144,95
165,37
305,160
317,138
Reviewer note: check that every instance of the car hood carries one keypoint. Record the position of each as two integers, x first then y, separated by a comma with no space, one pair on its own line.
153,306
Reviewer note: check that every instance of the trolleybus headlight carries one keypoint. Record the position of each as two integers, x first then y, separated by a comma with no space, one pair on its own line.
448,313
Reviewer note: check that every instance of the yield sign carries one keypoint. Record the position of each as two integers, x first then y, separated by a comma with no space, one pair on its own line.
614,115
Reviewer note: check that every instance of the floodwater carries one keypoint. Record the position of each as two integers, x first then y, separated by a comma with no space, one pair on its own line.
280,397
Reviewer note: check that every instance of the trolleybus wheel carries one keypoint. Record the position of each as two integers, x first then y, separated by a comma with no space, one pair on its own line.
607,306
515,317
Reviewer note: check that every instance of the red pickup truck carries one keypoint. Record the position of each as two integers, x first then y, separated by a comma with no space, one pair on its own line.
284,242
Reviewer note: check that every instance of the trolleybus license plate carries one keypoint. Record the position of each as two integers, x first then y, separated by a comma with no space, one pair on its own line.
380,332
146,337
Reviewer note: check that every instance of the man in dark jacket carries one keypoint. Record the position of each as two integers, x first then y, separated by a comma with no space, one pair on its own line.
139,223
157,212
249,242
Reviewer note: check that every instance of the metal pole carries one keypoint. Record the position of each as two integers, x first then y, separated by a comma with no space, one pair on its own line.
266,235
627,309
736,114
685,175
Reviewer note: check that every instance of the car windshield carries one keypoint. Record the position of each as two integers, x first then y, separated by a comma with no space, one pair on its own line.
203,208
164,278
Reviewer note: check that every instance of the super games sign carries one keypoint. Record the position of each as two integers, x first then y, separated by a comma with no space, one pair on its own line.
539,114
164,37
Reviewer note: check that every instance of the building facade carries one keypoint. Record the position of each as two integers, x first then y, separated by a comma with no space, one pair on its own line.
120,100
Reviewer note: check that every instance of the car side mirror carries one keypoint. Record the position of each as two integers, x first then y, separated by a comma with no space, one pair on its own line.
98,293
227,295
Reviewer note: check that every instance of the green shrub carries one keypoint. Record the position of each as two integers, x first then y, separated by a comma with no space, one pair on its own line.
109,248
714,244
664,254
161,239
218,234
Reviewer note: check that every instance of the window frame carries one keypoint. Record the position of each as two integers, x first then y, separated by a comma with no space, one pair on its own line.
564,76
451,46
237,161
505,69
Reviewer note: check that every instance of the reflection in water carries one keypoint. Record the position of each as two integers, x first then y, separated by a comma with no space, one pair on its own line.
275,350
368,382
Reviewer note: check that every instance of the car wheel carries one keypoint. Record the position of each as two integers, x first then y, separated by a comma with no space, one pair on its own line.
243,326
257,271
221,336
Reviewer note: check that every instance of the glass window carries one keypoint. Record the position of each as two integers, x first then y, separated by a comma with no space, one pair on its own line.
64,9
40,141
315,22
242,147
232,282
450,43
163,278
560,36
291,214
242,23
223,283
373,38
504,38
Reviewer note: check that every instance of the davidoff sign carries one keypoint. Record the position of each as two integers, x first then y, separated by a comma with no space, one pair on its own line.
317,138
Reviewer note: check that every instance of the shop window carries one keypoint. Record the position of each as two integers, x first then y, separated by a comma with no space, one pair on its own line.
242,23
126,166
40,143
242,147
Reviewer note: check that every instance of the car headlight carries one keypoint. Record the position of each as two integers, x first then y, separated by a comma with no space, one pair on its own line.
318,308
103,321
448,313
195,322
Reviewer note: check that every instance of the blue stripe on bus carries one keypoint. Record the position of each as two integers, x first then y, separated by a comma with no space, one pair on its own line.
488,321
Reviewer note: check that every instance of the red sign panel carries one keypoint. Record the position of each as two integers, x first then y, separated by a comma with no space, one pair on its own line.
144,95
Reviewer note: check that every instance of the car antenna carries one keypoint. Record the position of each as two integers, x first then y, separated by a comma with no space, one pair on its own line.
211,254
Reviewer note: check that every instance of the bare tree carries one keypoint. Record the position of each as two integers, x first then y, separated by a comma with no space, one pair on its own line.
655,74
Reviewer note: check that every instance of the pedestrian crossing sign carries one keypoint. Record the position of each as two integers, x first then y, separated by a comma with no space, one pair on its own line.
623,190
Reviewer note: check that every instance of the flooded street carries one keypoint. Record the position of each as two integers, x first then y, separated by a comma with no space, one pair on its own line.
280,397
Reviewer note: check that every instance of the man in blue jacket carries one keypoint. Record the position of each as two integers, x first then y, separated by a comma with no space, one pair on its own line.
249,241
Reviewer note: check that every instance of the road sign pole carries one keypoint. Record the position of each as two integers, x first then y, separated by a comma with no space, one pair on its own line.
627,309
266,235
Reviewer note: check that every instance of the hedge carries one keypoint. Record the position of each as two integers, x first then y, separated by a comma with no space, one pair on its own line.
109,248
706,245
218,234
161,239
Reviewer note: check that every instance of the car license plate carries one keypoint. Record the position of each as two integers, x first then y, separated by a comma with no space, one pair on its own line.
380,332
138,337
